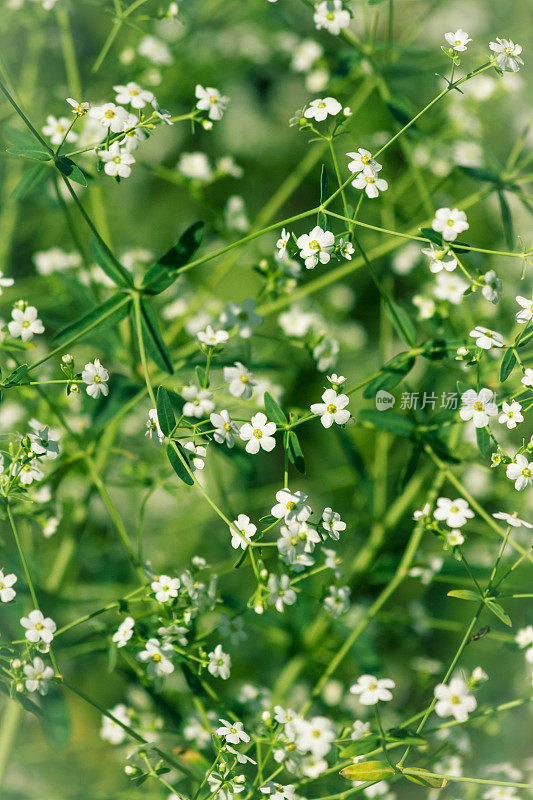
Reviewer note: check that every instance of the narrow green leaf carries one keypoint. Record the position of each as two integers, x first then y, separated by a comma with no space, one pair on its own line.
367,771
360,747
15,377
499,612
107,261
424,778
507,220
55,720
165,414
483,440
431,235
464,594
296,456
112,311
391,374
71,170
153,340
273,411
480,174
507,365
389,421
184,249
35,153
177,464
402,321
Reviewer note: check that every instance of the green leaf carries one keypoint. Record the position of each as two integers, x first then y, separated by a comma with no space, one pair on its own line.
391,374
406,736
400,114
480,174
483,440
431,235
465,594
424,778
273,411
165,414
55,720
389,421
71,170
367,771
192,681
296,456
499,612
35,152
112,311
200,375
177,464
361,746
184,249
402,321
507,365
107,261
14,378
153,340
507,220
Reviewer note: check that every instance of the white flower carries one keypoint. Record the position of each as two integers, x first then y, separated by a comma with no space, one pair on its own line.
281,593
219,663
233,732
282,243
165,588
527,309
199,401
512,519
95,376
7,593
478,407
198,454
54,260
111,731
247,531
240,379
450,223
212,338
371,689
156,50
371,184
492,286
325,353
362,161
346,249
30,473
438,260
161,113
479,675
316,246
38,627
5,282
458,40
124,632
153,429
259,433
56,129
78,108
321,108
38,676
117,161
158,658
225,429
508,54
454,700
360,729
454,538
133,95
243,315
524,637
242,758
195,166
25,323
332,409
421,513
277,791
331,15
133,135
332,523
212,101
291,506
527,380
110,116
314,736
511,414
44,442
338,601
485,338
454,512
520,471
450,287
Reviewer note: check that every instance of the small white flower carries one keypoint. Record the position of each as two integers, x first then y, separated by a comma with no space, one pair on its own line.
282,243
362,161
524,637
291,506
243,315
110,116
111,731
527,309
158,657
316,246
233,732
132,94
198,454
281,594
7,593
225,429
124,632
95,376
346,249
199,401
511,414
360,729
371,184
219,663
212,338
449,287
454,700
78,108
454,538
331,15
56,129
153,429
240,379
458,40
421,513
242,758
247,531
117,161
212,101
512,519
5,282
508,54
454,512
371,689
438,258
258,434
478,407
332,409
520,471
338,600
450,223
195,166
44,442
25,323
165,588
485,338
479,675
38,676
527,380
322,108
38,627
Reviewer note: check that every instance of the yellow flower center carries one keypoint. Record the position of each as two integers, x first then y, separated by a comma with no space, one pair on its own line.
227,426
39,626
258,433
478,405
109,114
330,16
290,505
331,409
156,657
244,378
526,472
314,245
368,179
